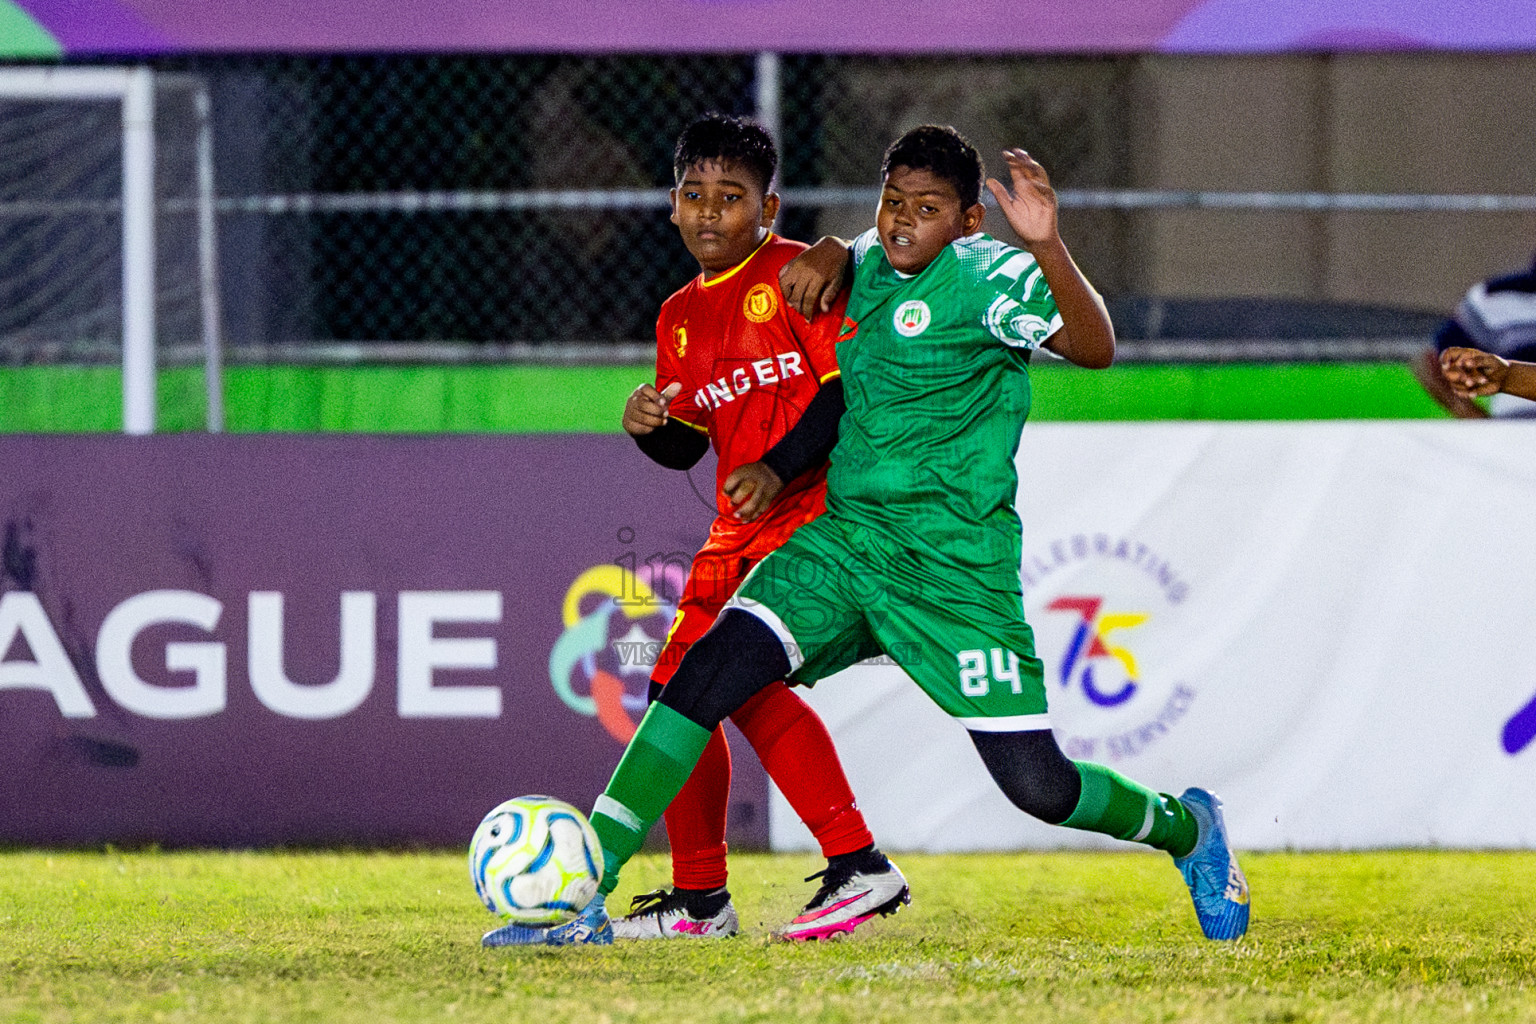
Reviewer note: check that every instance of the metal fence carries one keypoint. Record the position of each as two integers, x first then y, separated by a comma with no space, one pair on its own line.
518,200
502,205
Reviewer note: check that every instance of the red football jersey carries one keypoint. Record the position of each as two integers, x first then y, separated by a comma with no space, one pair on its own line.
748,366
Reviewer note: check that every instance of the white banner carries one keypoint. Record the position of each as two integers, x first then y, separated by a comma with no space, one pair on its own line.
1329,624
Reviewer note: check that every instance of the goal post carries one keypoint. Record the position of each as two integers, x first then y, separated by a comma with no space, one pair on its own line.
134,88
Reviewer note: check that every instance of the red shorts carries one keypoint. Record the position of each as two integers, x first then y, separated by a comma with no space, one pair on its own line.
717,570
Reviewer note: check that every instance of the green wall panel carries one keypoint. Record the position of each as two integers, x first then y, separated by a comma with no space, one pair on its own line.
536,399
54,398
1241,391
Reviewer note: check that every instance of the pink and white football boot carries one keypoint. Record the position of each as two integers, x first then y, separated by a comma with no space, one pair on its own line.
853,890
678,915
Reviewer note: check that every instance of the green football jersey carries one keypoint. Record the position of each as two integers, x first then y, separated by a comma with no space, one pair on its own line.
935,373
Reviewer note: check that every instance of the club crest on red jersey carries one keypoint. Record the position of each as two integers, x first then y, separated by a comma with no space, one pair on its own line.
761,303
680,340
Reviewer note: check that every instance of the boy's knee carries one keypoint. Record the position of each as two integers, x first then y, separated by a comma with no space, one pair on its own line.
725,668
1032,772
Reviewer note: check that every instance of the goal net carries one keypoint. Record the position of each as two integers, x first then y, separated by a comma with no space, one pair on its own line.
106,224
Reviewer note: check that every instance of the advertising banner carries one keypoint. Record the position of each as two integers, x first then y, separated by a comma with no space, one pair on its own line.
133,27
1329,624
239,641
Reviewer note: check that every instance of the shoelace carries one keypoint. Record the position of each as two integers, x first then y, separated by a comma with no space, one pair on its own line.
832,879
658,902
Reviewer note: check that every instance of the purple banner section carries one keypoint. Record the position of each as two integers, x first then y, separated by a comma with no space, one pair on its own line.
126,27
243,641
100,27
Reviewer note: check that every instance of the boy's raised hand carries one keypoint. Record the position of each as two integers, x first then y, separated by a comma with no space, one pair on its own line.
810,282
1473,373
1086,336
750,488
646,408
1030,208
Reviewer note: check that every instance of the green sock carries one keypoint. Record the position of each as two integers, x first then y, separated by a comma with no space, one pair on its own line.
655,765
1113,805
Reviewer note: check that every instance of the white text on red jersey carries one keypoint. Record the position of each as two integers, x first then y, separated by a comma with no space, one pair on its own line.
758,373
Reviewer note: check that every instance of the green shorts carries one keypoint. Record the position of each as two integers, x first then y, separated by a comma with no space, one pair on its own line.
837,593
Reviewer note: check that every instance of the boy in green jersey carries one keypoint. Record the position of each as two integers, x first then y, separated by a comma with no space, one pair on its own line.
918,553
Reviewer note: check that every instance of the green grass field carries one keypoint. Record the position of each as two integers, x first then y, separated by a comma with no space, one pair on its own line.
1397,936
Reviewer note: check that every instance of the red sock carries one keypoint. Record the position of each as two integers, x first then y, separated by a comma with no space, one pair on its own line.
696,820
797,751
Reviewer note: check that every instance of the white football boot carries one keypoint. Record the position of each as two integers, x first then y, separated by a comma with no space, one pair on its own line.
671,915
849,896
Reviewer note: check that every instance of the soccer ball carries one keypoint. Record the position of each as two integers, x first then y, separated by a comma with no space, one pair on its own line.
535,861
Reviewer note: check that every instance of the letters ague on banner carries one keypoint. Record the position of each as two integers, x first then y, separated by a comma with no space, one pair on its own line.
421,655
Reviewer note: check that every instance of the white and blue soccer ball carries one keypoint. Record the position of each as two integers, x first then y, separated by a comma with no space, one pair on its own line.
535,860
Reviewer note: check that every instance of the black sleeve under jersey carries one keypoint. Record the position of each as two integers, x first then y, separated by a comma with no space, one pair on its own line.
811,440
674,445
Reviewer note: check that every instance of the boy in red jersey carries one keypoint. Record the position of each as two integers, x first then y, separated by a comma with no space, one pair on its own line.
736,368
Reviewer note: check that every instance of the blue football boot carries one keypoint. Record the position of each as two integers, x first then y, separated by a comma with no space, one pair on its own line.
590,928
1216,883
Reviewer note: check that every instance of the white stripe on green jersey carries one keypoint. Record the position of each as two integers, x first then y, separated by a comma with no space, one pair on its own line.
937,385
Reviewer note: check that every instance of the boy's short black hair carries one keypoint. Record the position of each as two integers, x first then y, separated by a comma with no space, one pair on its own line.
946,153
722,138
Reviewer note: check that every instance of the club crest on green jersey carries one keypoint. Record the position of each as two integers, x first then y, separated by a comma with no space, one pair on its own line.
912,318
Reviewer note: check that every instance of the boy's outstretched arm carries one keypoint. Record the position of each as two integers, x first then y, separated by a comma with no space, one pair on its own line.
1087,337
1474,373
810,282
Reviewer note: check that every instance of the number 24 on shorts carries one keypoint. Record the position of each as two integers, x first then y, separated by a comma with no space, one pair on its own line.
974,680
